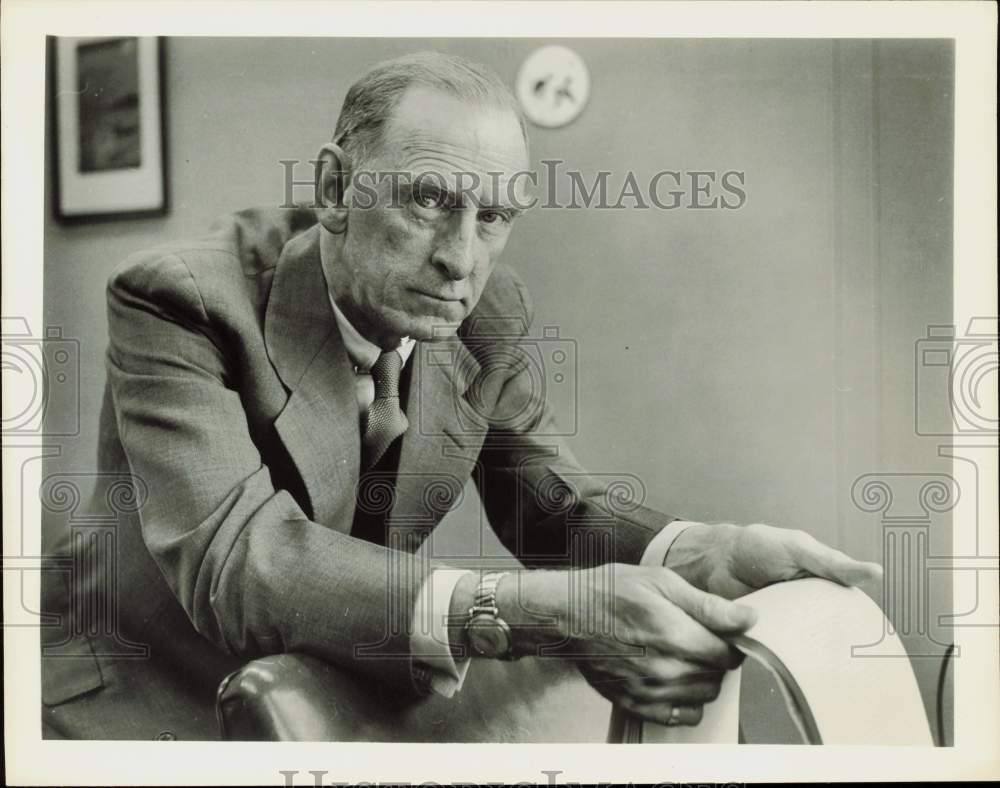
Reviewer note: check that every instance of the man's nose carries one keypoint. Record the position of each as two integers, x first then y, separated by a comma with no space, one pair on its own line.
455,250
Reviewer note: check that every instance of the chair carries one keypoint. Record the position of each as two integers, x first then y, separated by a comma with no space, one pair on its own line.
295,697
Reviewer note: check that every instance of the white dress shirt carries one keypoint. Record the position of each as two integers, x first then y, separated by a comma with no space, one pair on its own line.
429,639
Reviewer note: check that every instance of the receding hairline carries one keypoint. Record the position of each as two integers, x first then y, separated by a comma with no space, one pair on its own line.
373,99
418,101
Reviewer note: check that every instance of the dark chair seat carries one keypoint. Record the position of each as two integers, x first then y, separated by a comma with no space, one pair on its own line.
293,697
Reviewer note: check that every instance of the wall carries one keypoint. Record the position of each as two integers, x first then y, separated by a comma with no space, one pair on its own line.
746,365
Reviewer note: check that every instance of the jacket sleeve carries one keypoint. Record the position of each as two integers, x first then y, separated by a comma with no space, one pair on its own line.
544,507
252,572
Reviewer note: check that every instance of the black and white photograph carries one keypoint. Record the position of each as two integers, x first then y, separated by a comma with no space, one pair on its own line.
556,388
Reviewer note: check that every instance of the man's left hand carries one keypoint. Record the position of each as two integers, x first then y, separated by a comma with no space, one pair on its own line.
731,561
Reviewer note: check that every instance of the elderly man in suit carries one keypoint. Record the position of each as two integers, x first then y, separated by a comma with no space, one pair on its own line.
293,393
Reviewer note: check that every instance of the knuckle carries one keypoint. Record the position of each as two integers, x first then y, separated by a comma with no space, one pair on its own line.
712,607
664,669
802,538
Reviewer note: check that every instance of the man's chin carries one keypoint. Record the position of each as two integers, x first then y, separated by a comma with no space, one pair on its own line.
433,329
423,328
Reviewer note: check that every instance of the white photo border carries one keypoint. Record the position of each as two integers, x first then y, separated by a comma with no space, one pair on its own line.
26,23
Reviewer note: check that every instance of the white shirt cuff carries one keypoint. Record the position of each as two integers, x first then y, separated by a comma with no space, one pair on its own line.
656,551
434,664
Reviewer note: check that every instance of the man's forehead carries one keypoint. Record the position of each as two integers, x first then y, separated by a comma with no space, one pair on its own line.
433,130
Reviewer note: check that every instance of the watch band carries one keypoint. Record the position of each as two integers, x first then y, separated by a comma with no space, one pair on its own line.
485,605
486,595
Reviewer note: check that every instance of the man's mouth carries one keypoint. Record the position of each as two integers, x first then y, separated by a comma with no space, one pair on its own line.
440,297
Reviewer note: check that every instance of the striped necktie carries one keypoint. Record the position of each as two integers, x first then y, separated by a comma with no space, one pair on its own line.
386,420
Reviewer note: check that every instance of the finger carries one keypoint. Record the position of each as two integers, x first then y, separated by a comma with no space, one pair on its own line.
687,639
655,668
685,715
613,689
665,713
711,611
680,693
824,561
650,671
691,634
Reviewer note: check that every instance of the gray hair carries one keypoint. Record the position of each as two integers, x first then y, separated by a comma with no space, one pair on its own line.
371,100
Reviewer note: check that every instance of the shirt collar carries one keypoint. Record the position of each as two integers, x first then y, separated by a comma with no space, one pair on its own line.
364,354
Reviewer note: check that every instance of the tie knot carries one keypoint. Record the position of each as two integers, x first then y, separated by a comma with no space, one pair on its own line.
385,374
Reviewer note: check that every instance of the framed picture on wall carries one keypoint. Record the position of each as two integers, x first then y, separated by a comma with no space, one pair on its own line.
108,128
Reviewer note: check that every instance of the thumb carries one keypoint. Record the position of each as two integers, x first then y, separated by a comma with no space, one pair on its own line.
712,612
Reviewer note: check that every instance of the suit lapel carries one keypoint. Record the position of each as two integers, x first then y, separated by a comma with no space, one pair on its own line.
319,423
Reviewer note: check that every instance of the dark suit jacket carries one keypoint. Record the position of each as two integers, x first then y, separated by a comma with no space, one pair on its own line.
231,404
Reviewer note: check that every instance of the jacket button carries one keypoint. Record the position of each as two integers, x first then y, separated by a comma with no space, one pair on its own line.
166,736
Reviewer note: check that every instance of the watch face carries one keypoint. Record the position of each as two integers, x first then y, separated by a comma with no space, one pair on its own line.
488,636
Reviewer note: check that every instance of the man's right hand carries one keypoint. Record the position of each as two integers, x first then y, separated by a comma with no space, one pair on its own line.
642,636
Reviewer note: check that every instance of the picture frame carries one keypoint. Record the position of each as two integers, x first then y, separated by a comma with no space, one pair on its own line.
108,128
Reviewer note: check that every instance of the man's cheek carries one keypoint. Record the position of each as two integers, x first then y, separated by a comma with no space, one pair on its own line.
481,273
402,234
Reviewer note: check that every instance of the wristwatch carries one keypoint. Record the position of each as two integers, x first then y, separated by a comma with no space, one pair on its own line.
489,634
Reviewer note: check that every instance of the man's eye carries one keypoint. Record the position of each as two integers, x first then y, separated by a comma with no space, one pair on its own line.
493,217
428,199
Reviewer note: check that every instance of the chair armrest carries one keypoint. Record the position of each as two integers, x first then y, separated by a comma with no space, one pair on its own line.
288,697
294,697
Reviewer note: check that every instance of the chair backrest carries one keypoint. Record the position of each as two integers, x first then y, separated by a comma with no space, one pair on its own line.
842,673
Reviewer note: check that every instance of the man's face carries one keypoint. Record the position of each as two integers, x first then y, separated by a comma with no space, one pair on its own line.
416,261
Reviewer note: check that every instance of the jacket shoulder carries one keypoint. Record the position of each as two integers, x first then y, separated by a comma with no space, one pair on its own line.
158,277
238,254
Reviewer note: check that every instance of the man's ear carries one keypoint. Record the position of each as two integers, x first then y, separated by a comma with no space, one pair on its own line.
332,186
